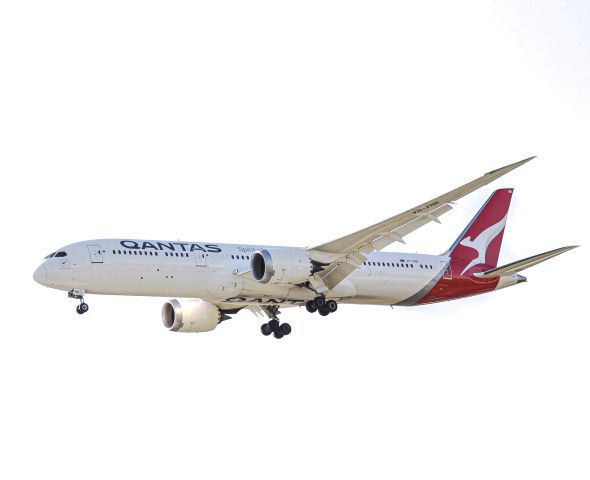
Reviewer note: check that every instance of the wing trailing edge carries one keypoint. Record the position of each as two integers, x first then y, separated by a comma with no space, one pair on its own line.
345,254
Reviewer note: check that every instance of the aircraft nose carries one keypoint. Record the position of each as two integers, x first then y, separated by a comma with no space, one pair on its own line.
40,275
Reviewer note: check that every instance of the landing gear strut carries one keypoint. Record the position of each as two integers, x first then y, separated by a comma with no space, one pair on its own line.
321,305
78,294
279,330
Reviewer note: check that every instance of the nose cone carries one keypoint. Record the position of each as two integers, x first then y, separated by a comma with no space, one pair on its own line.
40,275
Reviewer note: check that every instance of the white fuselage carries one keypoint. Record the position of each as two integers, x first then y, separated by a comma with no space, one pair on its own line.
219,273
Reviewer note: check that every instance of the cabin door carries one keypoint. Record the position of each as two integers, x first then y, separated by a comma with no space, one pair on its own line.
95,253
200,258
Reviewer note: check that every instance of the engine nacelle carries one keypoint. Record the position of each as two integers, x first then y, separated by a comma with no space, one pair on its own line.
285,266
193,316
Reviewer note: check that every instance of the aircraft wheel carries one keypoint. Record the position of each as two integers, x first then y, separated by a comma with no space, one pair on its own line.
286,328
319,302
324,312
274,325
83,307
332,306
80,312
279,334
265,329
311,306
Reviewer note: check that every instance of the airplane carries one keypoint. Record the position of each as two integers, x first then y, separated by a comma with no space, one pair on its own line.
218,280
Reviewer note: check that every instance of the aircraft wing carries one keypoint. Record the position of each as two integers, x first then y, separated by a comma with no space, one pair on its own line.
349,251
516,267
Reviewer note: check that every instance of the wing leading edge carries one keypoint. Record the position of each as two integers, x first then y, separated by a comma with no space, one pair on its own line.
515,267
348,252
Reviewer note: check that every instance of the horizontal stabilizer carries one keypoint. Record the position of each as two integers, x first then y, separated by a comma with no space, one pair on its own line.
516,267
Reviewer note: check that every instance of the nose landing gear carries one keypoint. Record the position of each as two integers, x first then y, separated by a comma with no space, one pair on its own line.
279,330
82,308
78,294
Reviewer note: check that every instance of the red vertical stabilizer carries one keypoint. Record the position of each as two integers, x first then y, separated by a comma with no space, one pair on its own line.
478,247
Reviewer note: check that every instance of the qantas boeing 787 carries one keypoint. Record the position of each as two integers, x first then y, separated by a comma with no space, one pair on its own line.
219,280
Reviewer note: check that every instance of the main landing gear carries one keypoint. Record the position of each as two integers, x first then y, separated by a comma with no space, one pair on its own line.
279,330
78,294
321,305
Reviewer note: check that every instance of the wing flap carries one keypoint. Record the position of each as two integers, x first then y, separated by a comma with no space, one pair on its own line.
520,265
338,270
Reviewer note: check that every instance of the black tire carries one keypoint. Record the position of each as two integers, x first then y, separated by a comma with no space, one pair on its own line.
324,312
274,325
78,311
332,306
320,302
279,334
83,307
265,329
286,328
311,307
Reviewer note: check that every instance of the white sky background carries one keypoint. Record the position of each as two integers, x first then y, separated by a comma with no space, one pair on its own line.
292,124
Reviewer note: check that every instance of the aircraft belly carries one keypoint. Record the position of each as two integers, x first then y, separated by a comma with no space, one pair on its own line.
180,281
386,289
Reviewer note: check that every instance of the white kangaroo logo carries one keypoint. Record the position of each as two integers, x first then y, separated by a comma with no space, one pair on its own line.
482,242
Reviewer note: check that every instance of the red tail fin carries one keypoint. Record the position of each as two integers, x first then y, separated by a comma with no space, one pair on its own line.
478,247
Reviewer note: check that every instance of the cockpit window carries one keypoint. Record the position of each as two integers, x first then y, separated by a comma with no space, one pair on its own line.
50,255
61,254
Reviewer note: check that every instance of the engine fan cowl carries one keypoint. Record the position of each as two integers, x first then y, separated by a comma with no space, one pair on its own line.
281,266
193,316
